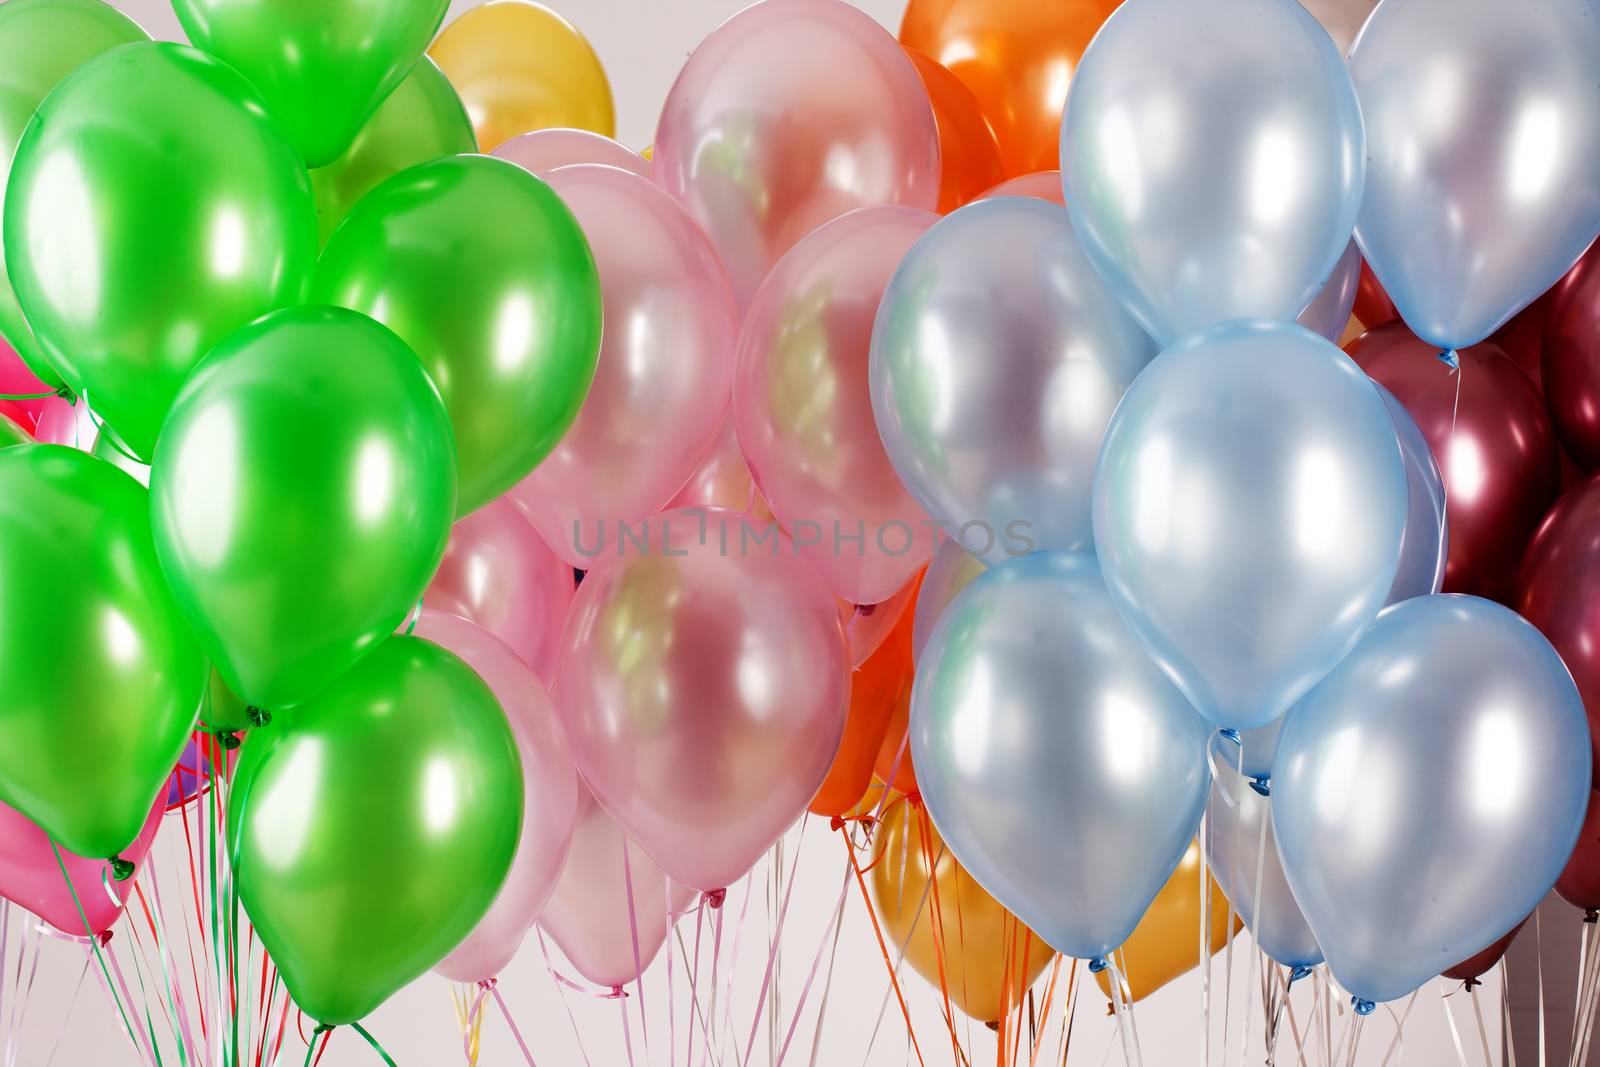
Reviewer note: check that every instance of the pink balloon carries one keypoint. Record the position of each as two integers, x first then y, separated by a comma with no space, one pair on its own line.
588,914
30,876
16,378
661,390
499,573
723,480
61,423
550,796
867,625
1041,185
790,114
802,405
542,151
703,684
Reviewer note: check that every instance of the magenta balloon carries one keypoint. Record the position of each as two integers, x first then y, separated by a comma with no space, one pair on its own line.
723,480
802,405
703,684
790,114
661,390
16,378
542,151
499,573
30,876
61,423
1041,185
550,796
588,915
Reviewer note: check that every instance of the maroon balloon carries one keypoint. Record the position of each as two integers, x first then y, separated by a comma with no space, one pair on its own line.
1558,591
1373,306
1579,884
1500,468
1469,969
1572,360
1523,339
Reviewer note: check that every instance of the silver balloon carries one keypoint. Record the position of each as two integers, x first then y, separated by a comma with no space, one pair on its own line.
1212,156
951,570
1483,135
1063,769
1329,311
1428,792
1243,853
1248,514
998,357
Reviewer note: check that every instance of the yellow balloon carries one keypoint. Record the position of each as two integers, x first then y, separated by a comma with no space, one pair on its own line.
983,942
519,67
1166,943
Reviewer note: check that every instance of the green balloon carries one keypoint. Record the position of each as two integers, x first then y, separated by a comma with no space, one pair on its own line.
41,42
223,710
322,66
12,434
154,208
102,678
423,119
374,826
483,271
107,450
301,498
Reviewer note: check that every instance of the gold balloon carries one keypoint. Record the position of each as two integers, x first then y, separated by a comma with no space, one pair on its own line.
1166,943
519,67
983,942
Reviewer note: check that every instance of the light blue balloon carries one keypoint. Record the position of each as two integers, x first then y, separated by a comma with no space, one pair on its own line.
998,357
1329,311
1483,142
1063,769
1213,159
1429,790
1248,514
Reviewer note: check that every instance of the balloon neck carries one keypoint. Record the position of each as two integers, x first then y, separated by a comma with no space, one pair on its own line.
105,938
617,993
993,1024
1297,972
1470,984
1591,916
322,1028
228,739
1097,965
1450,359
1228,733
715,897
487,984
866,610
1261,784
1362,1007
257,716
121,869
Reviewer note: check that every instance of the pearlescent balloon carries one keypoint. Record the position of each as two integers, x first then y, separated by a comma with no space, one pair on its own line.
1064,770
1212,173
1483,132
1239,852
1329,311
542,151
998,357
1429,790
1426,543
951,570
1248,513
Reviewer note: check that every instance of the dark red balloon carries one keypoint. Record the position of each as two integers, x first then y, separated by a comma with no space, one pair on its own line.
1502,470
1579,884
1469,969
1373,306
1572,360
1523,338
1558,591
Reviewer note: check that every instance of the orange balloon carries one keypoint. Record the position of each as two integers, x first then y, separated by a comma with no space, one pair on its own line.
1017,57
969,155
893,763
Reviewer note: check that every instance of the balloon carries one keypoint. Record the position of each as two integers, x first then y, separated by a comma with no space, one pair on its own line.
498,572
1428,791
1469,969
372,827
1212,174
41,42
1047,743
879,684
867,626
153,209
894,765
589,916
1494,444
1341,18
989,959
15,377
420,121
997,360
1329,311
1558,587
665,371
1483,128
802,405
102,679
1017,57
542,151
549,790
1571,361
321,68
789,114
723,480
204,759
11,434
65,423
1040,184
1579,884
702,684
1373,306
953,568
969,156
481,269
520,66
1248,513
107,449
30,875
1242,849
1163,946
301,502
1425,545
223,711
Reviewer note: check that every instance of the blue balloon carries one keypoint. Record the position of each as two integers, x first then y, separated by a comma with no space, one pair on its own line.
1062,768
1213,158
1483,142
1248,514
1429,790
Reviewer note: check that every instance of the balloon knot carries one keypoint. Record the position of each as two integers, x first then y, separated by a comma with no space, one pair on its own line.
866,610
1470,984
715,897
914,799
993,1024
257,716
1097,965
105,938
486,984
1297,972
1228,733
228,739
1259,784
617,993
1591,916
1362,1007
1449,358
322,1028
121,869
836,823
